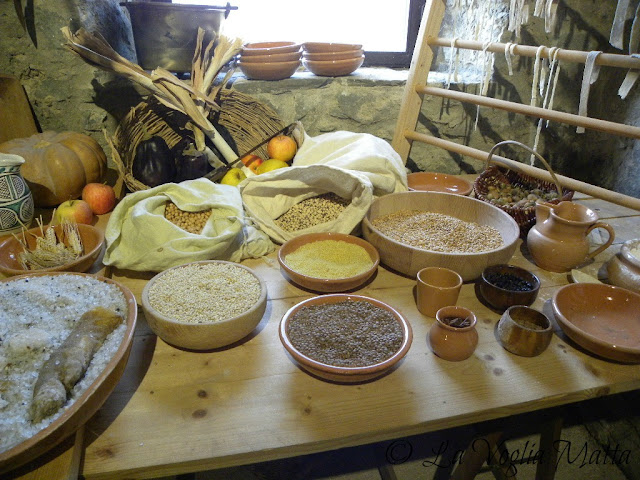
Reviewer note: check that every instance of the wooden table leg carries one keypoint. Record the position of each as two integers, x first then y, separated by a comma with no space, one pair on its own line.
546,468
480,450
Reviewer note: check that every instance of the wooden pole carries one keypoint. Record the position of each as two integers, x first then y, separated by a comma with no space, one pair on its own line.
566,182
515,107
574,56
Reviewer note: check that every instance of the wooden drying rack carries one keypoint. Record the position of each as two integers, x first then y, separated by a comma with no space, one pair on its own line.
416,88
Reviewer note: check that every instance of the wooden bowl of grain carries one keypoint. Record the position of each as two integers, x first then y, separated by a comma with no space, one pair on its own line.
204,305
328,262
345,338
413,230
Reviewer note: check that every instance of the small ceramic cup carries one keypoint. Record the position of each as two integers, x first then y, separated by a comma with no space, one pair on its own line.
453,336
524,331
437,287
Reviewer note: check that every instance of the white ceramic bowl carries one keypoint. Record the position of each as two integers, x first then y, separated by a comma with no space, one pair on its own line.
203,336
409,260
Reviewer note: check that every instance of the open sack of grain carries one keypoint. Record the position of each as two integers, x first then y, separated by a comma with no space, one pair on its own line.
329,187
149,230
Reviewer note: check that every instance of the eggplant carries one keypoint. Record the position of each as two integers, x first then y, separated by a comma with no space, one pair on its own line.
190,162
154,163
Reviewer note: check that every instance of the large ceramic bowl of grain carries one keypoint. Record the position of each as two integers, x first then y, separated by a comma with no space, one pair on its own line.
204,305
413,230
52,301
328,261
345,338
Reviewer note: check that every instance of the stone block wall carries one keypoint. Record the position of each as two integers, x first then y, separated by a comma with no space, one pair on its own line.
68,94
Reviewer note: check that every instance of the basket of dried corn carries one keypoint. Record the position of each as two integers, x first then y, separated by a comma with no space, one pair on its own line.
242,120
517,193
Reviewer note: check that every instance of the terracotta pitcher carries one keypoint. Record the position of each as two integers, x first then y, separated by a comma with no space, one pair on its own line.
558,241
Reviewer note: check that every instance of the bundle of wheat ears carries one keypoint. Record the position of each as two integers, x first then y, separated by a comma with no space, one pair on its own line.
194,100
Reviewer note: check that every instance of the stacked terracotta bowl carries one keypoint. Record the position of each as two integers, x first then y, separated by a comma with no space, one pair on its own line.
332,59
269,60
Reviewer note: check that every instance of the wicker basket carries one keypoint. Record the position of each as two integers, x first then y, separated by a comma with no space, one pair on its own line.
524,216
242,120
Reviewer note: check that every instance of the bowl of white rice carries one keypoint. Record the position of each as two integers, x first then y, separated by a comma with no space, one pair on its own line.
37,313
204,305
413,230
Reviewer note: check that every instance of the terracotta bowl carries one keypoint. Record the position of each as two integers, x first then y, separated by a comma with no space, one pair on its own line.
272,58
269,48
602,319
322,47
333,68
524,331
502,286
408,260
438,182
203,336
89,402
268,70
339,55
338,373
326,284
10,248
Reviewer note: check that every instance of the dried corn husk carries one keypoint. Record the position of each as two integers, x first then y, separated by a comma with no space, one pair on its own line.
51,250
194,101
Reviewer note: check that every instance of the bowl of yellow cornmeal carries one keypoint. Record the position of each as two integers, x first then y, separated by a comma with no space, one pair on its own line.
328,261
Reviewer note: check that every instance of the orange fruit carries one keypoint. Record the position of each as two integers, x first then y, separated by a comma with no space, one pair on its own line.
252,162
282,148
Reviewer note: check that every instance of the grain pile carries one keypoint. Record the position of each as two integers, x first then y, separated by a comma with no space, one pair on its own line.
205,292
330,259
438,232
312,211
36,316
345,334
192,222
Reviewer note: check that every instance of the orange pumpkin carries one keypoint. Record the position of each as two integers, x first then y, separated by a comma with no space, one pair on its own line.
58,164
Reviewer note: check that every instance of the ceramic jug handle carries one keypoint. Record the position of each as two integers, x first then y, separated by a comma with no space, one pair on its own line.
602,247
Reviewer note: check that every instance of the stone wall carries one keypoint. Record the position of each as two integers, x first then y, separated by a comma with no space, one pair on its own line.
68,94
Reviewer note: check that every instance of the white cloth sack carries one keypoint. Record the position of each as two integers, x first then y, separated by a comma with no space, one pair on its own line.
267,196
361,152
139,237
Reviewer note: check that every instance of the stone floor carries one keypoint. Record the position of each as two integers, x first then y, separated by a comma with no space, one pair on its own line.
600,439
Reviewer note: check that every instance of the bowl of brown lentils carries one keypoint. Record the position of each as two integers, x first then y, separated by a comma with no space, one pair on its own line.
204,305
345,338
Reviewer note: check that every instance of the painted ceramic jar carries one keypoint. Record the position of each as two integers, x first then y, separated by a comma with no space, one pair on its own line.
16,202
453,336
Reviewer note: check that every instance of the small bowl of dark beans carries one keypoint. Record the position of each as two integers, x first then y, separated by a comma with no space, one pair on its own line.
502,286
345,338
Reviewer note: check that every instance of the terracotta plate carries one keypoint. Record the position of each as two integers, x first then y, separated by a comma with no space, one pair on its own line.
601,318
438,182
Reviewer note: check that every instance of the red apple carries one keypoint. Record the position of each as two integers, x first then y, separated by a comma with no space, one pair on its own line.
77,211
100,197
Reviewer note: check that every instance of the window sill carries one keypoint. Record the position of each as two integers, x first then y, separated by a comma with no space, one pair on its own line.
361,77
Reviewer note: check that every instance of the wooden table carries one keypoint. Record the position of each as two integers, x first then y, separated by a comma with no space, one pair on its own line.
177,411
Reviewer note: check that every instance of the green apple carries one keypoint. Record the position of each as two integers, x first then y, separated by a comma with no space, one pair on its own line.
233,177
271,164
